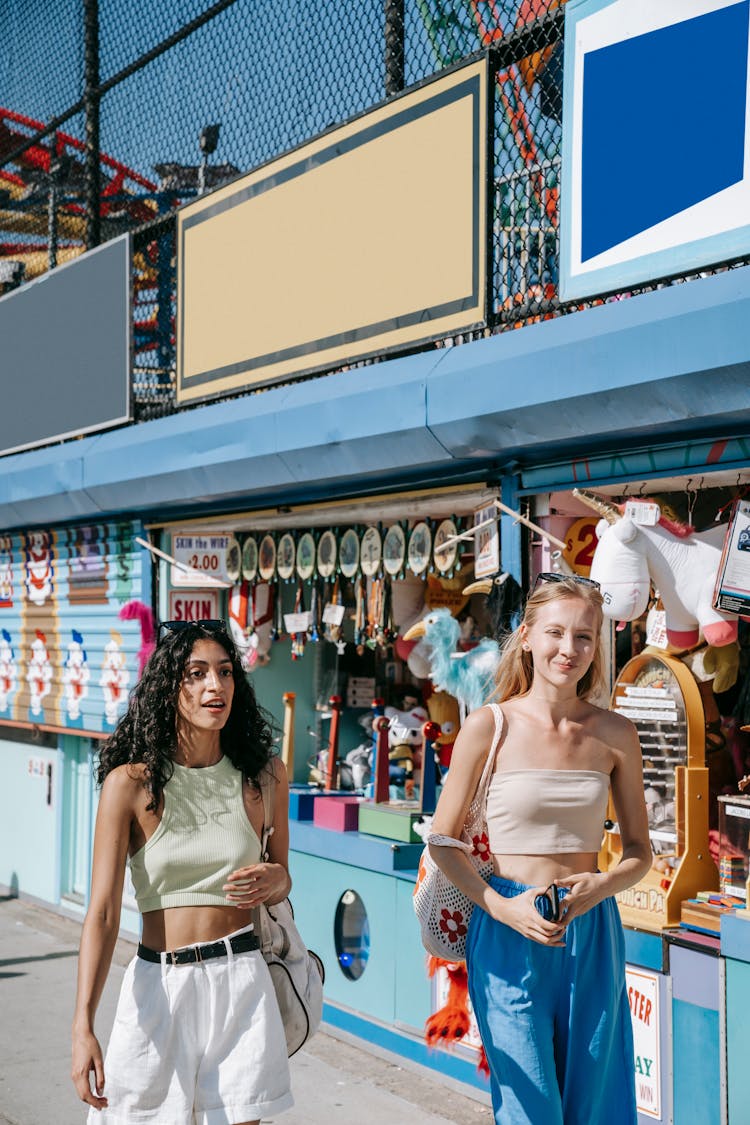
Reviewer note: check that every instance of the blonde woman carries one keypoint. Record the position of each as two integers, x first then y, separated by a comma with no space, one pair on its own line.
545,951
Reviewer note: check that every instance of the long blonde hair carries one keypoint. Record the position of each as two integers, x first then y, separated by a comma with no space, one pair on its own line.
516,670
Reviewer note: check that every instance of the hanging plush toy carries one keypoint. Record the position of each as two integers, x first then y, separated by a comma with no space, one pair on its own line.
641,548
404,737
142,613
444,711
468,676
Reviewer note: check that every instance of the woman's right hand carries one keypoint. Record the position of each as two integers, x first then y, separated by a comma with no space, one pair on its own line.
520,913
87,1056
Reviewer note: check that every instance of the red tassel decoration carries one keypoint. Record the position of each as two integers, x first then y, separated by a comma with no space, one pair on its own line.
451,1023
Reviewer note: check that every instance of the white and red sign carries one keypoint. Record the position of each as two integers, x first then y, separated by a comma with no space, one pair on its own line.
643,997
203,559
194,605
486,543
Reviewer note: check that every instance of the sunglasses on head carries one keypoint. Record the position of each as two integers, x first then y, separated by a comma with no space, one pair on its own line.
210,625
555,576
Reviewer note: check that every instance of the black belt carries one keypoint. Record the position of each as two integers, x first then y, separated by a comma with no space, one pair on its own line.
192,954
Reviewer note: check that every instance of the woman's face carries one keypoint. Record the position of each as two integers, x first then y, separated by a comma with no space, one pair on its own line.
563,640
207,689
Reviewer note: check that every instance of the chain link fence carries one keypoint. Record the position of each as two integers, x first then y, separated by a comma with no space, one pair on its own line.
113,115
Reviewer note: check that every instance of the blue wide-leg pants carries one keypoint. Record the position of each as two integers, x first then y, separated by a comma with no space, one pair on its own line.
555,1022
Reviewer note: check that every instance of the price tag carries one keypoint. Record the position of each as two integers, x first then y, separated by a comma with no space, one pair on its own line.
297,622
486,543
639,511
204,559
656,632
333,614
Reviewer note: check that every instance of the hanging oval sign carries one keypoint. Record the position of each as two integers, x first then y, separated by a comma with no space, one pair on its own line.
445,557
327,552
349,553
420,548
267,558
285,556
394,550
249,558
306,556
371,552
234,560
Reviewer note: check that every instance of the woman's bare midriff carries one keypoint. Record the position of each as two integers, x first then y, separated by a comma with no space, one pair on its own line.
541,870
191,925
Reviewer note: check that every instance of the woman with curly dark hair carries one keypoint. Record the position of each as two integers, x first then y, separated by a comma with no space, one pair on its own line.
197,1034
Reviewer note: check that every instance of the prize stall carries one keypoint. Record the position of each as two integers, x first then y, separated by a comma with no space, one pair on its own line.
371,628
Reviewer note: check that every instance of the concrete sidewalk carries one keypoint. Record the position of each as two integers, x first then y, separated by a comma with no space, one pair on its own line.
334,1082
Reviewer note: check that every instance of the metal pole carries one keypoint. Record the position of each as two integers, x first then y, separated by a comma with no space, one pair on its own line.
52,221
394,47
91,108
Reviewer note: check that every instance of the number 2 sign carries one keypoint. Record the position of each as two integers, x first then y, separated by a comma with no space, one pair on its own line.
580,544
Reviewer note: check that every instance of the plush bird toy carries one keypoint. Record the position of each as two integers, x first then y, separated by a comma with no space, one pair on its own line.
466,675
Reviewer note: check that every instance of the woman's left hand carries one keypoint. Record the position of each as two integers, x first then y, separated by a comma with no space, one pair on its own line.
585,891
260,882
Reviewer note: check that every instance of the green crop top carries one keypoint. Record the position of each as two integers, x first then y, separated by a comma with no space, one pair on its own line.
203,836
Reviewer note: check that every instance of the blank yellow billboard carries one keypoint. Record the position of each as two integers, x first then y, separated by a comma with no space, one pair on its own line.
369,238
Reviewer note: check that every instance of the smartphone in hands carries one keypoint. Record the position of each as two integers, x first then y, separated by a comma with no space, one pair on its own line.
548,904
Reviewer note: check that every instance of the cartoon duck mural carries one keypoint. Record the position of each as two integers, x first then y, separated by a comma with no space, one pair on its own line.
8,674
114,680
38,676
76,676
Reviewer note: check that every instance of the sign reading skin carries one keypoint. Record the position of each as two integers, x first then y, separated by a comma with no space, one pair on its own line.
656,141
371,237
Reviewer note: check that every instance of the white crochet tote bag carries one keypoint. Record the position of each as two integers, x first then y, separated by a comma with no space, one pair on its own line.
442,910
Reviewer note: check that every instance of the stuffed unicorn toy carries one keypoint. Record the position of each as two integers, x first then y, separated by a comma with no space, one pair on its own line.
641,548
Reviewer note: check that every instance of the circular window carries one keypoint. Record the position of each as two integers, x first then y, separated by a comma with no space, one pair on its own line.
351,935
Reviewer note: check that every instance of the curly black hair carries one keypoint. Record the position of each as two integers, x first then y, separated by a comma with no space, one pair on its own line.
147,732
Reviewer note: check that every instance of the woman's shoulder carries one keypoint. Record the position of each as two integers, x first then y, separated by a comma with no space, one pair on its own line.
480,722
276,768
126,783
616,730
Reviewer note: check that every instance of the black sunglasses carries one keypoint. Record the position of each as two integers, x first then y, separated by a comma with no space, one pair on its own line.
210,625
555,576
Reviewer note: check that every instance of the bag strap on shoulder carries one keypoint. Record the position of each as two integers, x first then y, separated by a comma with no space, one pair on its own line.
489,765
267,782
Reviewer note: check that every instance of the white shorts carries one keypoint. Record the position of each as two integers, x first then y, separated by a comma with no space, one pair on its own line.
199,1044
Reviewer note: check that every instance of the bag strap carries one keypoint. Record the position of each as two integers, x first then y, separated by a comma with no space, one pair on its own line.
482,787
267,783
489,765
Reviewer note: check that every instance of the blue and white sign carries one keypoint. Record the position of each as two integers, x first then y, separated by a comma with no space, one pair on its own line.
656,142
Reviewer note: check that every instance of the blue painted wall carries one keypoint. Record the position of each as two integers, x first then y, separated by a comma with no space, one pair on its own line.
29,826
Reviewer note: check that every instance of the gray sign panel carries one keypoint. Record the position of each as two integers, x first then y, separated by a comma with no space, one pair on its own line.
65,350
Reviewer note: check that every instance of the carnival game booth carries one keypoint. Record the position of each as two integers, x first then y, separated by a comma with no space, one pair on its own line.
670,555
356,621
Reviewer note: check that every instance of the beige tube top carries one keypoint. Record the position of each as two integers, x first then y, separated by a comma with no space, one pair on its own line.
543,812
